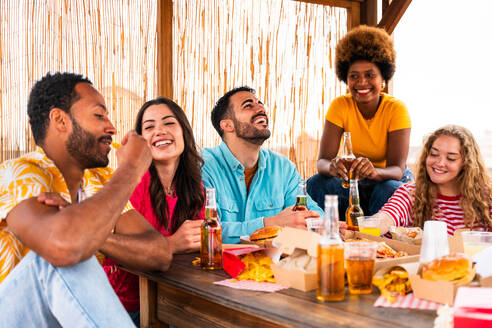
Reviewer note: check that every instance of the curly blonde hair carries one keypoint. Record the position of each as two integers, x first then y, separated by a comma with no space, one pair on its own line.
365,43
473,181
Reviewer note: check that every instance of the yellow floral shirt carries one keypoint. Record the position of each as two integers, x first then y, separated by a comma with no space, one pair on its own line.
26,177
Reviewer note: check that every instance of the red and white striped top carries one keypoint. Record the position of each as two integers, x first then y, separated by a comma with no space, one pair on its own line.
401,205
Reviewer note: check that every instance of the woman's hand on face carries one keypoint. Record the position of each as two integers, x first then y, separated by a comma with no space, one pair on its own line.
363,169
187,238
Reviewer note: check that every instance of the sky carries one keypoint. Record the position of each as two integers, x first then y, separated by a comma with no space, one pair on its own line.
444,65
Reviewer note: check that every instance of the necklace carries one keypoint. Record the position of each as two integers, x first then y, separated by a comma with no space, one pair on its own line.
169,191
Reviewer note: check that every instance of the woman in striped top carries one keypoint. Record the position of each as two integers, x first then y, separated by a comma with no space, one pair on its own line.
452,185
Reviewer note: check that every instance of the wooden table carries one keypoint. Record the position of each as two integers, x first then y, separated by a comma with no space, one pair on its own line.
185,296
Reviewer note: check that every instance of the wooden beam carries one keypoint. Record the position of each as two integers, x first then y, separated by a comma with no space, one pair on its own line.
393,14
353,15
333,3
369,12
165,48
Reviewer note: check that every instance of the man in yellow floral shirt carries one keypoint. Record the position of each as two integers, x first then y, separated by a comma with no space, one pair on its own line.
59,282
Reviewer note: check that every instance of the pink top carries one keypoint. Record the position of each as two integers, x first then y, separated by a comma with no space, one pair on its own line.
400,207
124,283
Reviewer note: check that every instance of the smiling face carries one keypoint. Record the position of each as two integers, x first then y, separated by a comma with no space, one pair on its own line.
249,118
164,134
90,140
444,163
364,81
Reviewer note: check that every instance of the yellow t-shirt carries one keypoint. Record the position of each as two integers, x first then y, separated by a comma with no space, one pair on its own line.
26,177
369,137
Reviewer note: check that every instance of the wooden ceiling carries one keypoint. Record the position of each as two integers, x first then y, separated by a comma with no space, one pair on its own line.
358,12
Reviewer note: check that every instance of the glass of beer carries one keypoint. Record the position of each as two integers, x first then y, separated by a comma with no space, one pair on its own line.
370,225
359,262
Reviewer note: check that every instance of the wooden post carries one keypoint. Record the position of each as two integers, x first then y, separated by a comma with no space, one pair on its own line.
165,48
353,15
369,12
148,304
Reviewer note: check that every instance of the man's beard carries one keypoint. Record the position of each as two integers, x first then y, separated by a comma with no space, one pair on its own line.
83,146
248,132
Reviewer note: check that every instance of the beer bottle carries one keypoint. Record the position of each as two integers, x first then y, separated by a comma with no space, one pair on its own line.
301,202
211,235
331,272
347,157
354,210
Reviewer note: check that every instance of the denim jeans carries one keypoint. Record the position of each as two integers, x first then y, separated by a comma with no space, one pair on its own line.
38,294
373,194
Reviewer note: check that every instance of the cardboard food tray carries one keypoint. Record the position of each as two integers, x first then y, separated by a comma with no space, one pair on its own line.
287,241
413,251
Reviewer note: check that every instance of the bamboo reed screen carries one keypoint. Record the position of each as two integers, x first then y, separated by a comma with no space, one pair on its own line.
111,42
283,49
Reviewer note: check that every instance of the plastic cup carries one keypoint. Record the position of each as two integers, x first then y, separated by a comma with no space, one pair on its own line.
359,262
475,241
435,241
370,225
314,224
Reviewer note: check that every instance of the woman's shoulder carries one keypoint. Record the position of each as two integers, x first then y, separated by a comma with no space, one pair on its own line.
407,188
391,102
343,100
142,188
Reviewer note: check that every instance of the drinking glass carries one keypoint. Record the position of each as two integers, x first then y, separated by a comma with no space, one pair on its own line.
476,241
370,225
314,224
359,262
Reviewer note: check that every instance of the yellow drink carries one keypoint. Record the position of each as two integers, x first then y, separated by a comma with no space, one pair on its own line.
472,249
371,231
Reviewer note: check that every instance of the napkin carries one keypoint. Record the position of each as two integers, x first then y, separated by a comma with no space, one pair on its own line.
251,285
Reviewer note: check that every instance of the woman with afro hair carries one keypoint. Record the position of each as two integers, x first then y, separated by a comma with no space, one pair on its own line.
379,124
452,185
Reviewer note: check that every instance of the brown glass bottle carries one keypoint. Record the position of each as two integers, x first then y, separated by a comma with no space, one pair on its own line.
347,157
354,210
211,235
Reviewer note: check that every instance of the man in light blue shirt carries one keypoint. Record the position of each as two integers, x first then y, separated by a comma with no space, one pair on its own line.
255,187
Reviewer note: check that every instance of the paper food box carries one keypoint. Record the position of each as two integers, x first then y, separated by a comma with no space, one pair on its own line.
231,263
444,292
299,272
412,250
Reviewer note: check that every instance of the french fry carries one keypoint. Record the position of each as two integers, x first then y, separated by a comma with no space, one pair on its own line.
393,283
258,268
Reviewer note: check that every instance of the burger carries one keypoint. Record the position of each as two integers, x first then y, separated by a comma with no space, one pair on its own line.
265,234
456,268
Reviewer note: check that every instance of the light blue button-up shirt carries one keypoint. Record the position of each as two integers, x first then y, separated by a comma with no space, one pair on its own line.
273,188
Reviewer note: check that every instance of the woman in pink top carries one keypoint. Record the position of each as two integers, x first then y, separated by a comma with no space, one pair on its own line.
452,185
170,195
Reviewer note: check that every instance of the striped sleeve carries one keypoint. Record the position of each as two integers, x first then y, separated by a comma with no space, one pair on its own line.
400,205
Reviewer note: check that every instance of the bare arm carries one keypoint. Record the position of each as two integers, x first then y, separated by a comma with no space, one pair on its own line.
396,158
328,150
290,218
386,222
74,233
136,244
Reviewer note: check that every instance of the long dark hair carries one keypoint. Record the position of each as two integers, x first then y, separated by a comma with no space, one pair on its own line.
187,179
